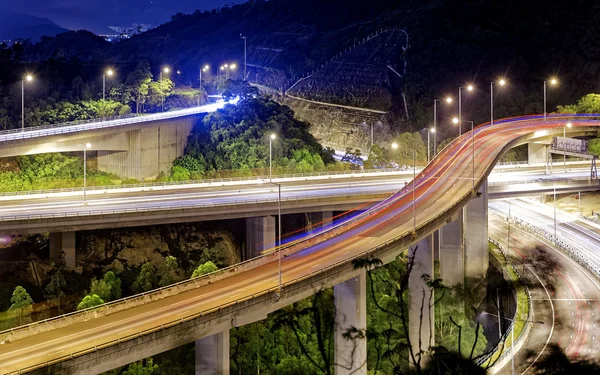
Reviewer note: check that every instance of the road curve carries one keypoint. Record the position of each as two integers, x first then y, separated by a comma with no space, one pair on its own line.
443,187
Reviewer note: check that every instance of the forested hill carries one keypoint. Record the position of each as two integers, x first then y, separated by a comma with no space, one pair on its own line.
450,43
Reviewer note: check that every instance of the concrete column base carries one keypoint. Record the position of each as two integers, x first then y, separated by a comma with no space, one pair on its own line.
420,316
475,221
62,246
317,220
351,311
260,235
537,153
449,249
212,354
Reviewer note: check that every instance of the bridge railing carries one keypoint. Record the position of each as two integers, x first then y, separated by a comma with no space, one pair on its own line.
405,238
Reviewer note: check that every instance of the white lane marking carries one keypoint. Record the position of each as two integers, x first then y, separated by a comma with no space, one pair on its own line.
181,313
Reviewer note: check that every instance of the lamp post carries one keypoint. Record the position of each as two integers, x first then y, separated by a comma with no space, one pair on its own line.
555,239
231,67
85,147
431,131
28,78
568,125
202,69
501,82
512,346
109,73
166,70
447,100
456,121
244,37
469,88
553,81
278,233
271,138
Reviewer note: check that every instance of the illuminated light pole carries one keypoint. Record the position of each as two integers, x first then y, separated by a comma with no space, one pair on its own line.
243,37
202,69
109,73
85,147
166,70
279,273
431,131
568,125
553,81
271,138
413,191
501,82
555,239
447,100
27,78
231,67
455,120
469,88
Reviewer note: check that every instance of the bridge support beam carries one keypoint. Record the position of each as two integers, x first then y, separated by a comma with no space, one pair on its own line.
351,311
537,153
212,354
449,246
62,246
316,220
475,219
260,235
151,150
420,316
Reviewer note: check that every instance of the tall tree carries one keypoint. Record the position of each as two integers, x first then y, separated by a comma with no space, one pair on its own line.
55,289
21,302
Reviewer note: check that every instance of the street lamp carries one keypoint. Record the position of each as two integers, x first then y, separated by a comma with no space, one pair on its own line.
85,147
512,346
109,73
27,78
553,81
431,131
166,70
469,88
395,146
447,100
202,69
456,121
568,125
501,82
271,138
244,37
279,229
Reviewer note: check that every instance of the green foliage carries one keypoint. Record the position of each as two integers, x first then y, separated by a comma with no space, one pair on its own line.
232,89
107,288
594,146
85,110
90,300
139,368
237,137
21,302
204,269
590,103
146,279
167,272
56,287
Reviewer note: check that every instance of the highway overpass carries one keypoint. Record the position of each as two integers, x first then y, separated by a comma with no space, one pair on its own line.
135,147
127,330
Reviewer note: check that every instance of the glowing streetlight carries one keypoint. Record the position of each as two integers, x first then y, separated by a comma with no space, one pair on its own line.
395,146
244,37
27,78
271,138
456,121
431,131
85,147
447,100
553,81
501,82
469,88
109,73
165,70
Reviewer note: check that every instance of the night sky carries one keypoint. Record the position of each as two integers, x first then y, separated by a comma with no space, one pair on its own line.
95,15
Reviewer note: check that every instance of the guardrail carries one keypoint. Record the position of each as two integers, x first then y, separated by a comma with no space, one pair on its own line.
405,238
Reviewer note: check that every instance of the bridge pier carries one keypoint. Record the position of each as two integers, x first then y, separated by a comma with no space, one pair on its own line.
317,220
351,311
212,354
420,315
537,153
260,235
62,244
449,246
475,219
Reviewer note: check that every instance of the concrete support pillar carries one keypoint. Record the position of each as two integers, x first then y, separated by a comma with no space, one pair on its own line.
62,245
449,246
475,221
212,354
420,316
537,153
351,311
317,220
260,235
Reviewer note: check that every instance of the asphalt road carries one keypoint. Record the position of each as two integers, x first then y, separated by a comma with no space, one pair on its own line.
565,296
440,187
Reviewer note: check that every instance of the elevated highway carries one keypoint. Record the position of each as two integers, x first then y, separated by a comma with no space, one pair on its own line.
127,330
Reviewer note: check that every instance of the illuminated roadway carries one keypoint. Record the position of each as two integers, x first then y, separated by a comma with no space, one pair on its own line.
565,296
441,189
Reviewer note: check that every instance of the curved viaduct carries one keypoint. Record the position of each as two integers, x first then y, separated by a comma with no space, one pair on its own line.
124,331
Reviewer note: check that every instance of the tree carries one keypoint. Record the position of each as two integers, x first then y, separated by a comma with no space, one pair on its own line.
204,269
232,89
55,288
146,279
594,146
590,103
138,84
167,272
138,368
108,288
90,300
21,302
